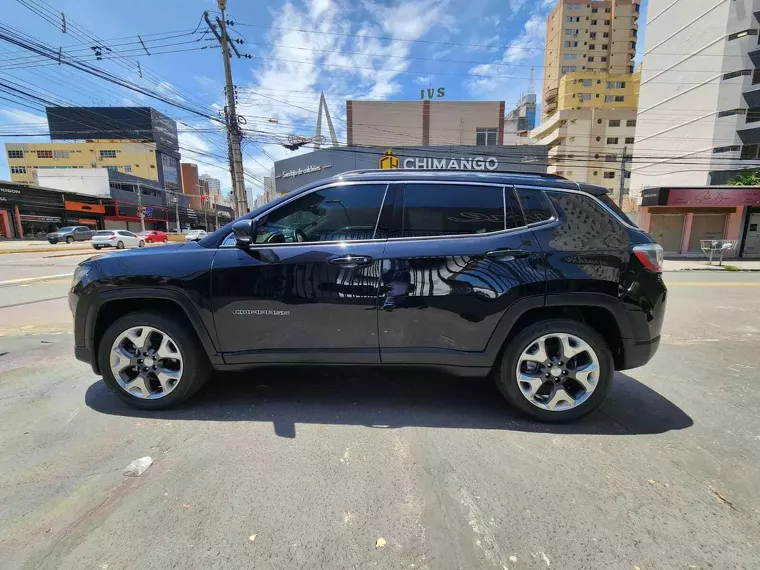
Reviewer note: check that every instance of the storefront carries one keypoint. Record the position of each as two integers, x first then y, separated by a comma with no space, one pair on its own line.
126,216
31,212
680,218
291,173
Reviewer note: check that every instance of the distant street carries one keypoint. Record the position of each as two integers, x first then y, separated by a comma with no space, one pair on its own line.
321,464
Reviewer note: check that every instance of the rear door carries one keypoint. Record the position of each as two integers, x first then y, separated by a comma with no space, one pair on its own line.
307,289
460,255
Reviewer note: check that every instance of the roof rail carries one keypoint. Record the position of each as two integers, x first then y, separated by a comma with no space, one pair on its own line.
509,172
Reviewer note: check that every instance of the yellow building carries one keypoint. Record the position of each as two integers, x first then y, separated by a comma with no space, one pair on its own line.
598,90
135,158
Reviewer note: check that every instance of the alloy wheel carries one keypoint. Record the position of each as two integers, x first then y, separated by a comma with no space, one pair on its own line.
146,362
558,372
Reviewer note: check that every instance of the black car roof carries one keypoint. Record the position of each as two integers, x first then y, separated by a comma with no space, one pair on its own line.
396,175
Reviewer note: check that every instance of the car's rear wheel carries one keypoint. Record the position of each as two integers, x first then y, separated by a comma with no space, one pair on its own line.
69,239
120,245
556,371
151,361
166,240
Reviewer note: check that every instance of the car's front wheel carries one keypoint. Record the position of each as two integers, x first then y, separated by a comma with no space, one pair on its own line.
556,370
96,246
53,241
151,361
141,244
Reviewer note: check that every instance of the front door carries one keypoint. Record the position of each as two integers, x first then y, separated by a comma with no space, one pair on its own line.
460,256
307,289
752,241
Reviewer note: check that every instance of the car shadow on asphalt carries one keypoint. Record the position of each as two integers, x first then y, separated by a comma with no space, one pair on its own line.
391,399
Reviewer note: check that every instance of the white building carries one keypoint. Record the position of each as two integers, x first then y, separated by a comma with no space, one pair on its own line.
214,184
699,105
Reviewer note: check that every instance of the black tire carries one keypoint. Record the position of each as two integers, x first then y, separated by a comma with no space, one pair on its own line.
53,241
196,367
96,246
141,244
166,240
69,239
120,245
505,373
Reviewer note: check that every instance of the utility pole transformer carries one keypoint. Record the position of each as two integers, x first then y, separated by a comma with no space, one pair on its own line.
622,176
233,127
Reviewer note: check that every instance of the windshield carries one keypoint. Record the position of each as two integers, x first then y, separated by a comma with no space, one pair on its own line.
103,234
67,229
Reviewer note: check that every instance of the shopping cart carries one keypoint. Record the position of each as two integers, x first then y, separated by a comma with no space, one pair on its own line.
713,246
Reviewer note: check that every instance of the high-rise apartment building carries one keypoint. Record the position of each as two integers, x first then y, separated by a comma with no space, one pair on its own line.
699,109
522,119
597,35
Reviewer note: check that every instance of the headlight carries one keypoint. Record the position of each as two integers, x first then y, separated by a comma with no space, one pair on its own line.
80,273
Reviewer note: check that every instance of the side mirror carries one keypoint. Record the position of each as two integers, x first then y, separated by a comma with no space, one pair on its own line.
245,231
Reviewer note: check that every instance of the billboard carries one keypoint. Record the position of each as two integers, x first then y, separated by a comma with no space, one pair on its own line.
118,123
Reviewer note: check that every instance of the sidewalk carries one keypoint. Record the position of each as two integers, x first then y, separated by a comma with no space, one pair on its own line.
32,246
701,265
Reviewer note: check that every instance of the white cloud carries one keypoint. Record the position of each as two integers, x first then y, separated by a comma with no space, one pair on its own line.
503,78
342,57
423,80
517,5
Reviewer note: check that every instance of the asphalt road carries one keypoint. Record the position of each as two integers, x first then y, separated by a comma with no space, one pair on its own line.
320,464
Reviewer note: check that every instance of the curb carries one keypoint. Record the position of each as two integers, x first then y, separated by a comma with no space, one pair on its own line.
40,250
708,270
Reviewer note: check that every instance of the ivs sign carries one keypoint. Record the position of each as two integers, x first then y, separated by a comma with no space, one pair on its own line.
433,93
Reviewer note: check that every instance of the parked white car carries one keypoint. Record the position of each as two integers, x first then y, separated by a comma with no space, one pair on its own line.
116,238
195,235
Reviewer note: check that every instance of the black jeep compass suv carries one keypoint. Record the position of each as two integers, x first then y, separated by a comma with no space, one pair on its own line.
539,281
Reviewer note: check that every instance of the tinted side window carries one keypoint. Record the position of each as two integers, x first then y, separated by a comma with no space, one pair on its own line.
443,210
535,205
340,213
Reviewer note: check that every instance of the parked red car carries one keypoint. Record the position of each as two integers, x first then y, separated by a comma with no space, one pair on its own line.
154,236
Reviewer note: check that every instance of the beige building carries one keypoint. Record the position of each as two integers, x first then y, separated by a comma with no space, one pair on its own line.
587,145
596,35
427,123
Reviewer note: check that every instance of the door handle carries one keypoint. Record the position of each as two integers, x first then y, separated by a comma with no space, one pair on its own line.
350,260
504,253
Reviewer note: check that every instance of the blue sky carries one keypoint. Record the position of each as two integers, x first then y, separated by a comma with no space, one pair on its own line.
358,49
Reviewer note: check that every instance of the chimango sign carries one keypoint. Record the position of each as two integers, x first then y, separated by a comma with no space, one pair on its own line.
390,161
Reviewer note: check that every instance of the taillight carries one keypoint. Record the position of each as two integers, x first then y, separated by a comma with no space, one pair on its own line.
112,237
650,255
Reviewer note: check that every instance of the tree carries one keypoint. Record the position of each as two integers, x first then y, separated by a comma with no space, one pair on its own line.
746,178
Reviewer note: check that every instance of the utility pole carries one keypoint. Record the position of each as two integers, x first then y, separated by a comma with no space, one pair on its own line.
622,176
140,208
233,127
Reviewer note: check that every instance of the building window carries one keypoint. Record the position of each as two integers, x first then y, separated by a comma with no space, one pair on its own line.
627,173
128,168
616,85
610,158
594,10
18,169
591,59
619,98
605,46
630,123
633,45
753,114
737,74
732,112
629,140
637,7
61,153
586,82
486,137
606,22
15,154
112,168
732,148
573,7
606,35
592,46
749,152
570,32
607,10
568,69
604,58
107,154
615,123
44,154
609,98
609,175
584,96
593,22
571,44
570,56
592,35
756,77
612,140
572,19
741,34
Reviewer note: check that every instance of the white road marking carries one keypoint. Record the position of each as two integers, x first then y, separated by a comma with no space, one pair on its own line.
31,279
